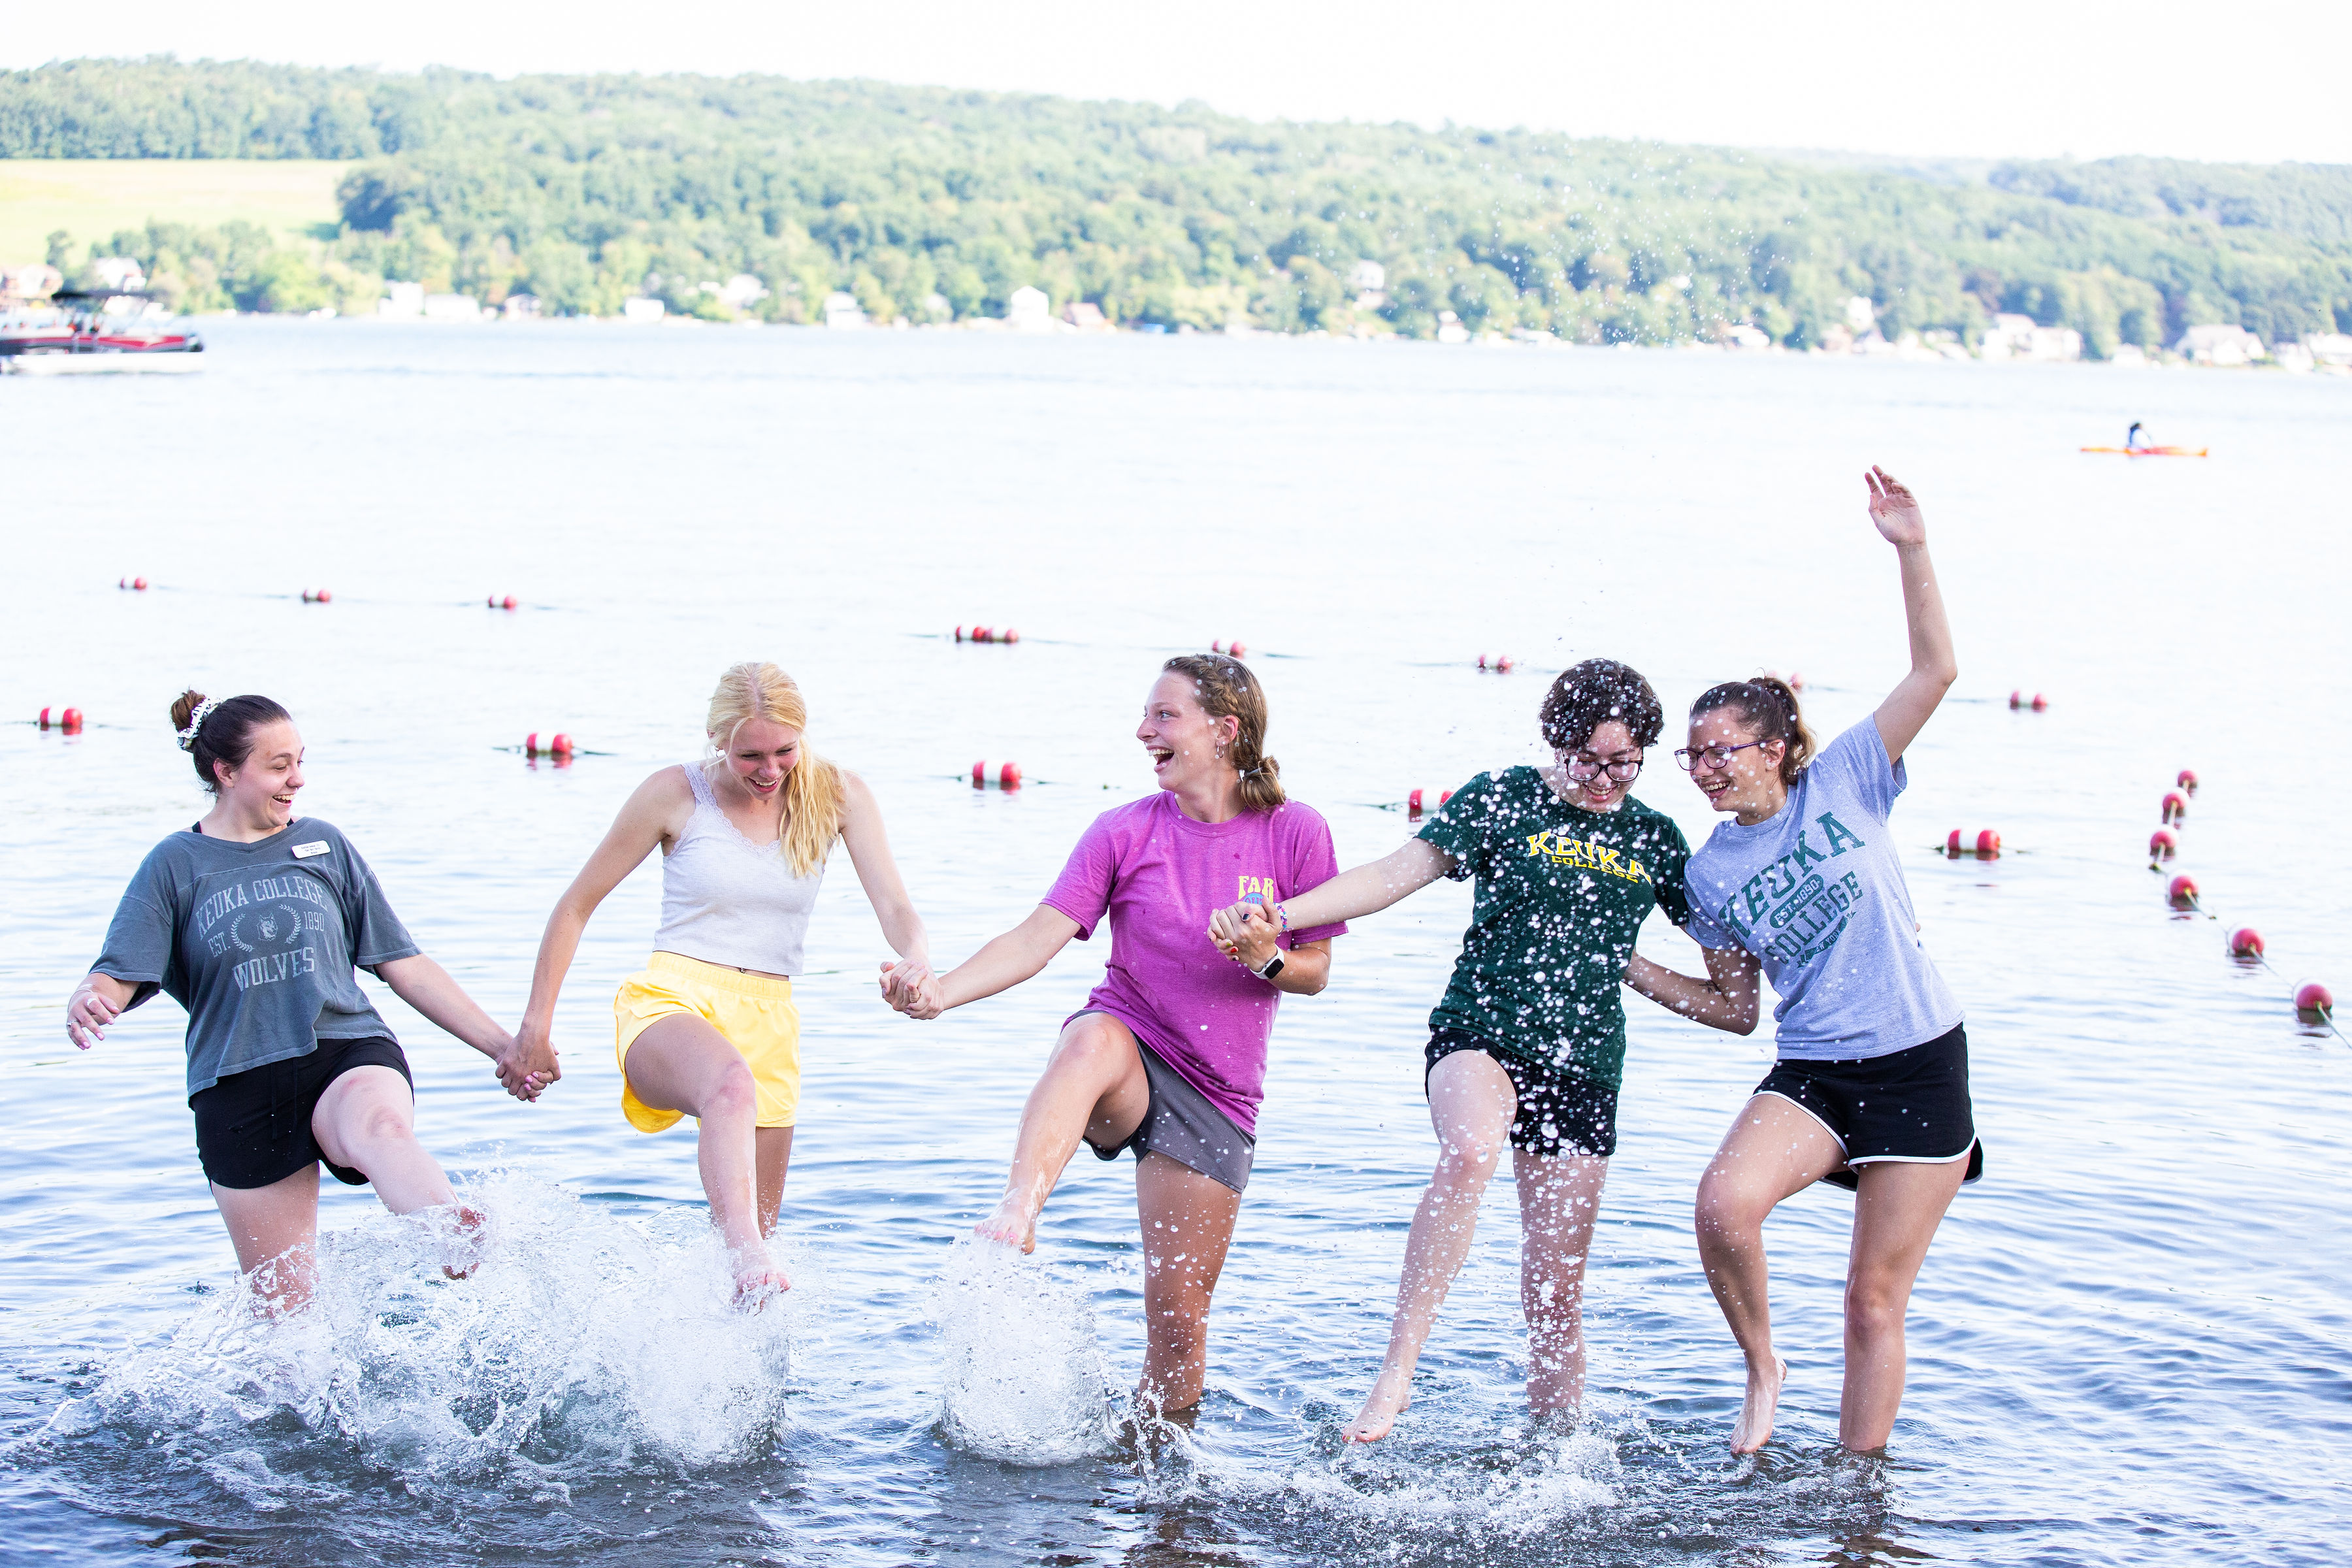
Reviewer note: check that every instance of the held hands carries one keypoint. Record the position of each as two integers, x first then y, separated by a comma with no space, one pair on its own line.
87,1014
1245,933
526,1064
910,987
1895,510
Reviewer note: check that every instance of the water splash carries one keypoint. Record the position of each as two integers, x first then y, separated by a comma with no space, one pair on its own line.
1025,1379
585,1345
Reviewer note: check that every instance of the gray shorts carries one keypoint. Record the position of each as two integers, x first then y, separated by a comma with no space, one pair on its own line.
1182,1124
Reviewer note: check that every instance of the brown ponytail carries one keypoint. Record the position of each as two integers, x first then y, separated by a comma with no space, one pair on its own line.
1226,688
1768,706
227,733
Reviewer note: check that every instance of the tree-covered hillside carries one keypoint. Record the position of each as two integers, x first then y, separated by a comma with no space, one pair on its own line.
928,202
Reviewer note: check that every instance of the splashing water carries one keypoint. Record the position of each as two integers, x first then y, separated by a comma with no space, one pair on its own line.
584,1344
1025,1379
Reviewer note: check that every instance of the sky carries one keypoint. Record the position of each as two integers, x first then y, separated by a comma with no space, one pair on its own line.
2261,81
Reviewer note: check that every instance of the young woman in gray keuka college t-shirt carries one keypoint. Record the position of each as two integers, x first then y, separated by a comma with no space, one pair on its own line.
255,920
1870,1087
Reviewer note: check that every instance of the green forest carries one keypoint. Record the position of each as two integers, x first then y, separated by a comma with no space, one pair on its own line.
930,204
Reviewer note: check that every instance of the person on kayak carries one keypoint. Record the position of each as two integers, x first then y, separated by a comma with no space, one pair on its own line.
2132,441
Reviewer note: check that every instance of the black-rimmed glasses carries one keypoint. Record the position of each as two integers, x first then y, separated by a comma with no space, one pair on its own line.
1713,756
1624,770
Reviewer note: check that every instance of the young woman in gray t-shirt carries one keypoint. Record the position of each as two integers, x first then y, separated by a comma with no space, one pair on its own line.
1870,1087
254,920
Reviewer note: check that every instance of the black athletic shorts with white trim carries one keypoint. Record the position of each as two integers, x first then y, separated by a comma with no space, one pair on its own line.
1559,1113
1908,1107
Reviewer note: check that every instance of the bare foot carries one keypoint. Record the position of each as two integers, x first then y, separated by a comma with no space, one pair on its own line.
1390,1397
466,1246
1009,1225
1755,1426
757,1283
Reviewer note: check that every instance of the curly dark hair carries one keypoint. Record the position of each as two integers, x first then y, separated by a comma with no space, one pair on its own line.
1588,695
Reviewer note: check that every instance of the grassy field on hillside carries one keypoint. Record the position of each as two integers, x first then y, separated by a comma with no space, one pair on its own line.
91,198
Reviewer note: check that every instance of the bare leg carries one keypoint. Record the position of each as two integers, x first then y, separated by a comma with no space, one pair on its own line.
774,1153
1470,1103
275,1230
1773,1150
1560,1199
1187,1224
1092,1087
1895,1219
367,1121
681,1063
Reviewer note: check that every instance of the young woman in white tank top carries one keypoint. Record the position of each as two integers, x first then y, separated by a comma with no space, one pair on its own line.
709,1028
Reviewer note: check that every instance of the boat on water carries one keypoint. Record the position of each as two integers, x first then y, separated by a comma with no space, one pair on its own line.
104,332
2150,452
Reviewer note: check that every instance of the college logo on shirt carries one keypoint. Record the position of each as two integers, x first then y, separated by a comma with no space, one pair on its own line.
1258,889
1585,855
1805,910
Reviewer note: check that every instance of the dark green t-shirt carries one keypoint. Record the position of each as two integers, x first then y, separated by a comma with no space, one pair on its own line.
1561,893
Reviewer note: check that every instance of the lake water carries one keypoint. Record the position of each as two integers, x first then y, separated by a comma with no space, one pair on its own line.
2129,1344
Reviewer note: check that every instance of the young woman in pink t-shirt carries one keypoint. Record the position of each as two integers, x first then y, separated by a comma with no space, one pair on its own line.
1168,1056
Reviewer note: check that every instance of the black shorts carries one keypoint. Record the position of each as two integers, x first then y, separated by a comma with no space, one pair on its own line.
1182,1123
253,1128
1559,1113
1908,1107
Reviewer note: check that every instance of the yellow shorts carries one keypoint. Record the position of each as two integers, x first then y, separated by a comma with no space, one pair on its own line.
754,1013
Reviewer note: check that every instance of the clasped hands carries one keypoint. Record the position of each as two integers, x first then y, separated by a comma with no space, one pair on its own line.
910,987
1246,934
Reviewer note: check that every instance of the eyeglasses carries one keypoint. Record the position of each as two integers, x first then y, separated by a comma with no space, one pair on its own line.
1624,770
1713,756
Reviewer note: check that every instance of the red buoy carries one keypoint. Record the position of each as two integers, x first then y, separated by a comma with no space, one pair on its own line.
2181,891
1500,663
507,603
2176,806
560,746
530,744
2187,780
2315,1000
70,720
1230,649
1003,775
2163,844
45,718
1009,635
1989,843
2041,703
1009,776
1952,842
139,585
317,596
2245,942
2017,700
1423,800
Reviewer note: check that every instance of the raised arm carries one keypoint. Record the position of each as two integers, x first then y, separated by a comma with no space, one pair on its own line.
878,873
1005,961
636,833
1906,711
1725,1000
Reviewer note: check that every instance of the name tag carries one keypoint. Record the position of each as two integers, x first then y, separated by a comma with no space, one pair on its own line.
317,846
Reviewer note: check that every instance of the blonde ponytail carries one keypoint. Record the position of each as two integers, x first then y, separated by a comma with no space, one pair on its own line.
811,792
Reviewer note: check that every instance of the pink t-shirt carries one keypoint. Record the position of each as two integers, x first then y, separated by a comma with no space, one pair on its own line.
1160,875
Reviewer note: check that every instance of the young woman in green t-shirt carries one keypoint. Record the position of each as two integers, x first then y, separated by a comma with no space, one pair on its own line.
1528,1043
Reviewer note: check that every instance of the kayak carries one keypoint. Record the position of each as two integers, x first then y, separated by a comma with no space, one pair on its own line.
2151,451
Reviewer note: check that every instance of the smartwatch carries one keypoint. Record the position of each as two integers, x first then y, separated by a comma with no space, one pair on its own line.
1272,967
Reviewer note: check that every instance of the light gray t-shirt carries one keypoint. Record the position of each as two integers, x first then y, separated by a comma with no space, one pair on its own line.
258,942
1816,892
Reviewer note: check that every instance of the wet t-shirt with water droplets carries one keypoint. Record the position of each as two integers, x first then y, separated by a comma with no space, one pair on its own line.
1562,894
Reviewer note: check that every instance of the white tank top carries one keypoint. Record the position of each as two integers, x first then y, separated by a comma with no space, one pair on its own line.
726,899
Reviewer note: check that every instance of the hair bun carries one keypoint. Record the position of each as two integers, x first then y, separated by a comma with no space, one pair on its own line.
183,708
